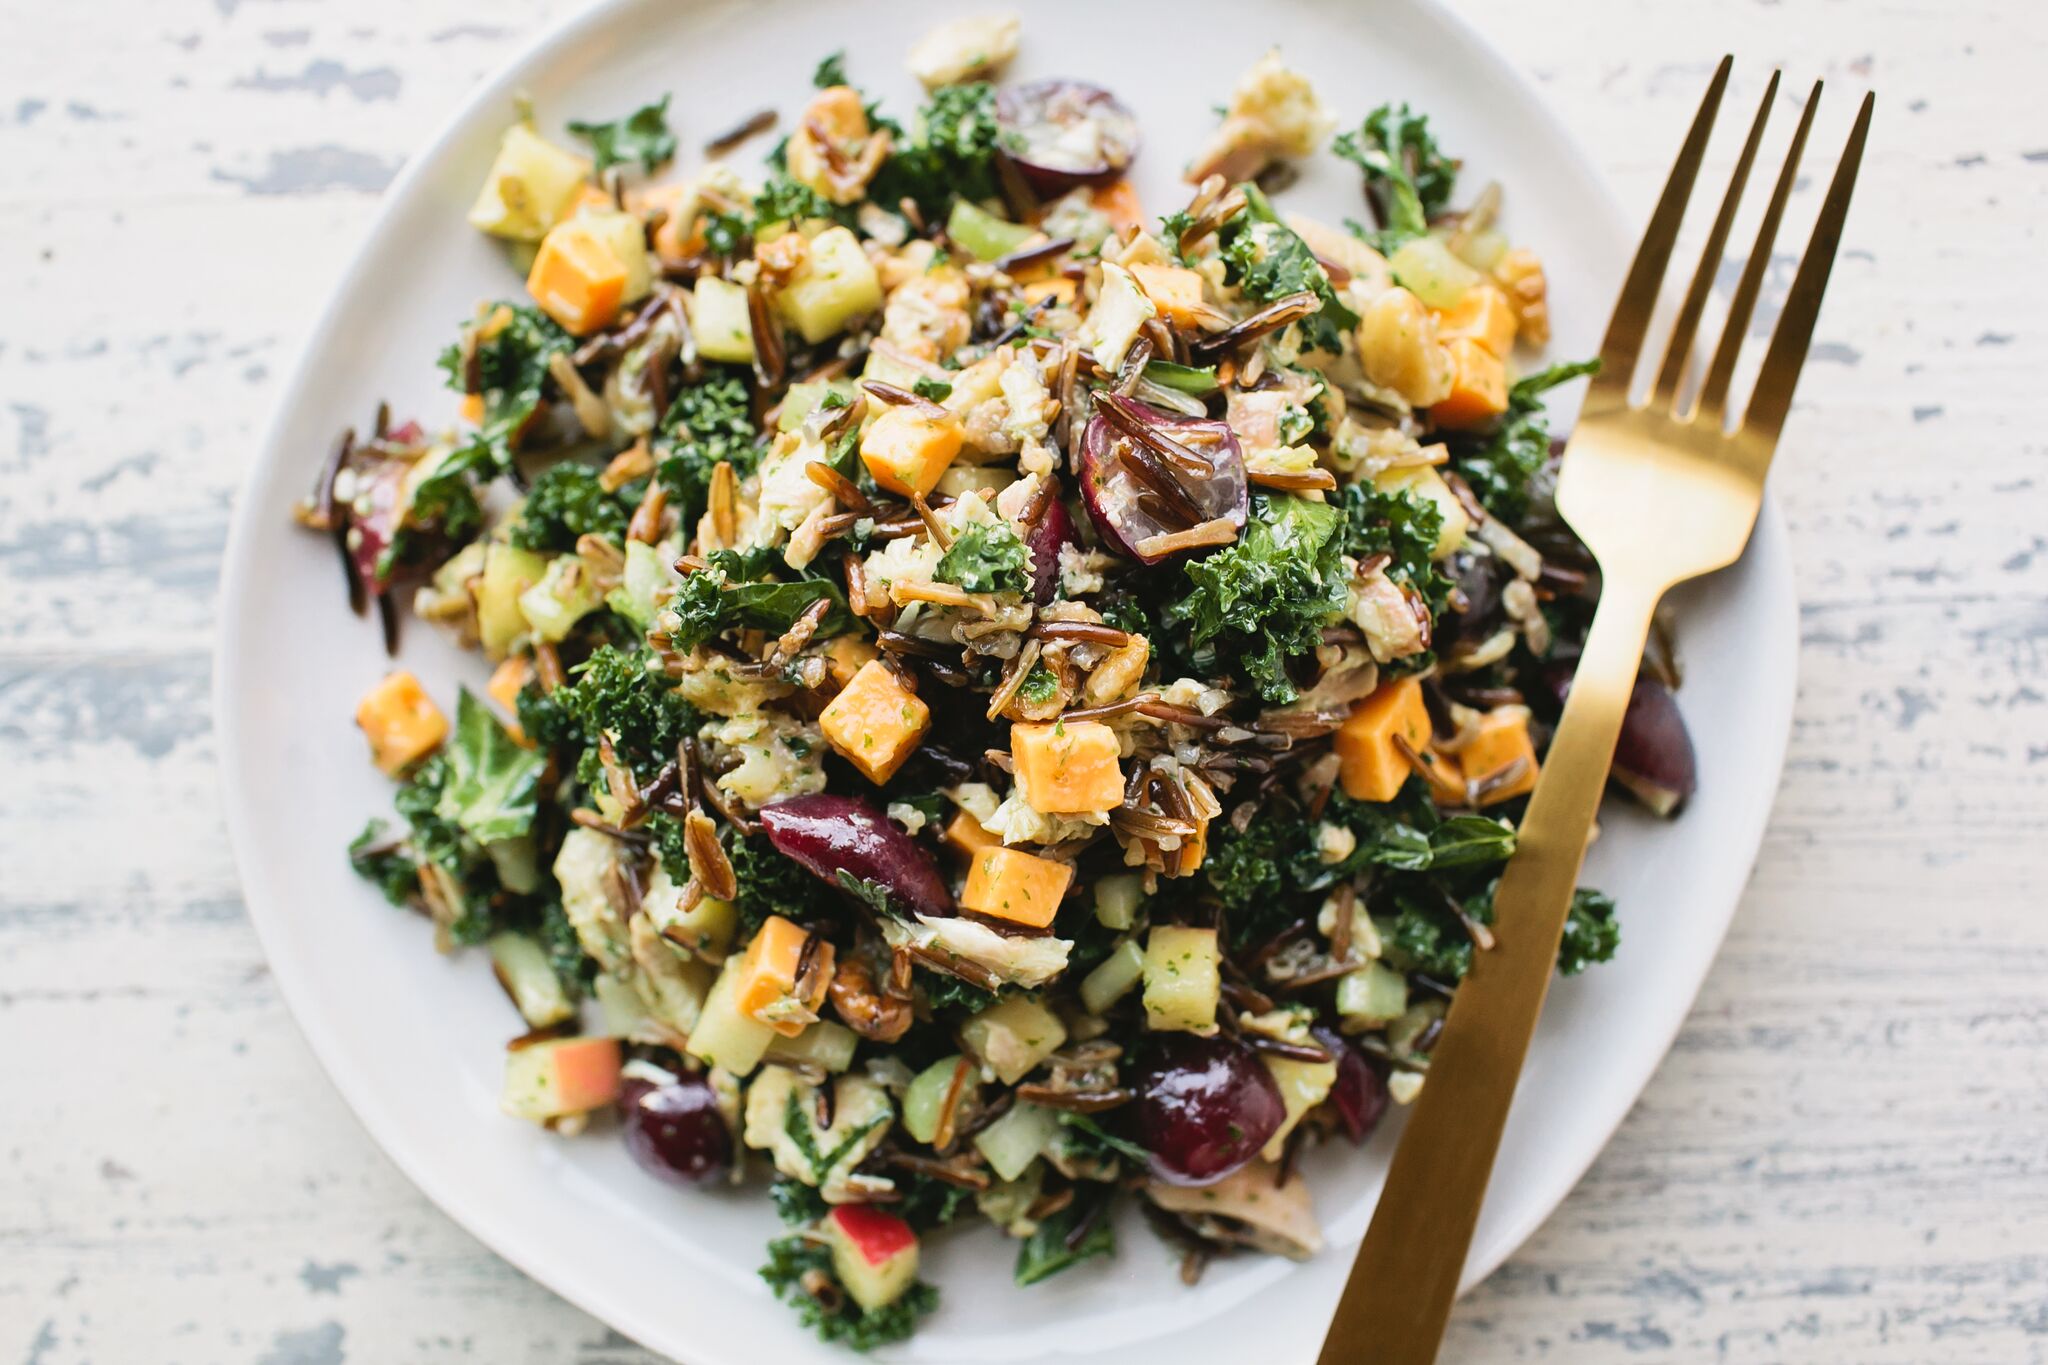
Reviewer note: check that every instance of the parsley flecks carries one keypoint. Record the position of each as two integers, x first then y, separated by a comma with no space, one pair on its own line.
985,557
1409,179
567,502
641,136
1265,259
1501,464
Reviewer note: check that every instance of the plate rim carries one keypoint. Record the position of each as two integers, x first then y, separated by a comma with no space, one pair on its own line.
356,1090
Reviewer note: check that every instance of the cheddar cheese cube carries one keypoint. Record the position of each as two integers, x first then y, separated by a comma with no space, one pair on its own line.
875,722
1502,744
765,989
1067,767
968,835
1118,201
401,721
1010,884
1371,764
1479,387
577,278
845,656
906,449
1446,778
508,680
1174,290
1484,315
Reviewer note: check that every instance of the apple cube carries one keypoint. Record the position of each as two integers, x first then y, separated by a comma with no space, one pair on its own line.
557,1077
874,1254
1183,979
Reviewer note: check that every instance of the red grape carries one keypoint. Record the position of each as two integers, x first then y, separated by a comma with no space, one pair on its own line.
844,835
674,1129
1205,1106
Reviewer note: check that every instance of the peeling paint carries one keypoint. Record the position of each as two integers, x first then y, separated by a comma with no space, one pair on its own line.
311,170
323,78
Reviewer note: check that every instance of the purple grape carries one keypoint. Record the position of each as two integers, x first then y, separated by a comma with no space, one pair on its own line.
1066,133
834,835
674,1129
1654,758
1360,1093
1205,1106
1122,507
1053,530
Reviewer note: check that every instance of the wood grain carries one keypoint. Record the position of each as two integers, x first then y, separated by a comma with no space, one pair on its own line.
1844,1157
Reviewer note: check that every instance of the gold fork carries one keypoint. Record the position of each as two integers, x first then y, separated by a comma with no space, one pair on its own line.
1660,493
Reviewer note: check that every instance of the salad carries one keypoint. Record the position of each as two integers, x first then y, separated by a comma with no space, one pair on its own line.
1006,703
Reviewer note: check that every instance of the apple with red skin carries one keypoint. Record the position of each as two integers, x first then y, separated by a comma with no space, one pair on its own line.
556,1077
874,1253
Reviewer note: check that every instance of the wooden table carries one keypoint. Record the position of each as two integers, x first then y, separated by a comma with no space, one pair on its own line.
1844,1159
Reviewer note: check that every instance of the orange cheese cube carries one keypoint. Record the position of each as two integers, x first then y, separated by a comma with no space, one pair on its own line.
875,722
1118,200
577,278
1446,778
671,239
1371,765
1484,315
1059,289
1068,767
1174,289
845,656
508,680
472,409
968,835
766,988
907,450
1479,387
1007,883
1502,744
402,722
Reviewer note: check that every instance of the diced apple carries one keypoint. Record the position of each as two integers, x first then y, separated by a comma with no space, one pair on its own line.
705,928
508,573
401,722
1113,977
1303,1086
1183,979
557,1077
724,1037
720,319
1015,1140
1373,995
1010,884
874,1253
530,187
824,1044
529,978
1011,1037
836,284
875,722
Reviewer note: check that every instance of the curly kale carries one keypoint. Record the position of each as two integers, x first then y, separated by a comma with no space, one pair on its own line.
945,992
568,501
1591,933
731,594
706,423
795,1202
985,557
794,1259
380,859
617,692
831,71
783,200
772,883
1407,178
641,136
1255,605
512,347
1079,1232
1264,258
950,150
393,864
576,968
1501,463
1404,527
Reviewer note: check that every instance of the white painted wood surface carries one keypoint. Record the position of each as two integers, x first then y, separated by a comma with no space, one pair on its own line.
1844,1159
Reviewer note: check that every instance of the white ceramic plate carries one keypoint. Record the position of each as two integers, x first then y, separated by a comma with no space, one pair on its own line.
413,1040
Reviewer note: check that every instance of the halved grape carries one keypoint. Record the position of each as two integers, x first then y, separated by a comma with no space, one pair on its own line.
1054,529
1360,1093
674,1130
1126,509
834,835
1066,133
1653,759
1205,1106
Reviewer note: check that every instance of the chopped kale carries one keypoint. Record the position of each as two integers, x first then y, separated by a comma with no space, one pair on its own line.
795,1258
491,792
1591,933
729,594
614,691
1499,464
380,859
1040,686
1079,1232
1255,605
783,200
938,390
641,136
772,884
567,502
943,992
576,968
1265,259
830,71
1409,180
795,1202
951,150
706,423
928,1202
513,346
985,557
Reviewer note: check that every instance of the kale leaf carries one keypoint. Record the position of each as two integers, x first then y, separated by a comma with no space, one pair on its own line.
567,501
730,594
1591,933
641,136
771,883
513,345
831,71
1061,1242
795,1258
795,1202
706,423
985,557
1409,180
380,859
1254,605
783,200
1500,464
952,150
944,991
1264,258
618,692
491,791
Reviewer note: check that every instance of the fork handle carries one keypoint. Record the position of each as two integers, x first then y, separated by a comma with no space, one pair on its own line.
1399,1295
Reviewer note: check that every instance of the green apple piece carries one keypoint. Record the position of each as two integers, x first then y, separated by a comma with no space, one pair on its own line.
836,284
1183,979
529,978
1017,1139
1011,1037
725,1037
721,322
1372,995
1113,977
529,188
825,1044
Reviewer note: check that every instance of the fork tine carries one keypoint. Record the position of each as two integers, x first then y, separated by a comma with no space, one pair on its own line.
1631,318
1679,351
1787,356
1713,399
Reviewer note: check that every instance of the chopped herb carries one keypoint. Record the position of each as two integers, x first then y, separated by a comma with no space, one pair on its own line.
1409,180
641,136
566,502
831,71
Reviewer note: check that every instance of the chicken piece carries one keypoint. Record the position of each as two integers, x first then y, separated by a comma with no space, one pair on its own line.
1274,113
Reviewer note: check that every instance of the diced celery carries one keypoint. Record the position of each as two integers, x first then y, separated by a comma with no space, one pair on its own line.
1113,978
724,1037
1117,899
824,1044
984,235
565,595
1428,270
719,317
620,1005
529,978
1372,995
647,583
508,572
1015,1140
926,1096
